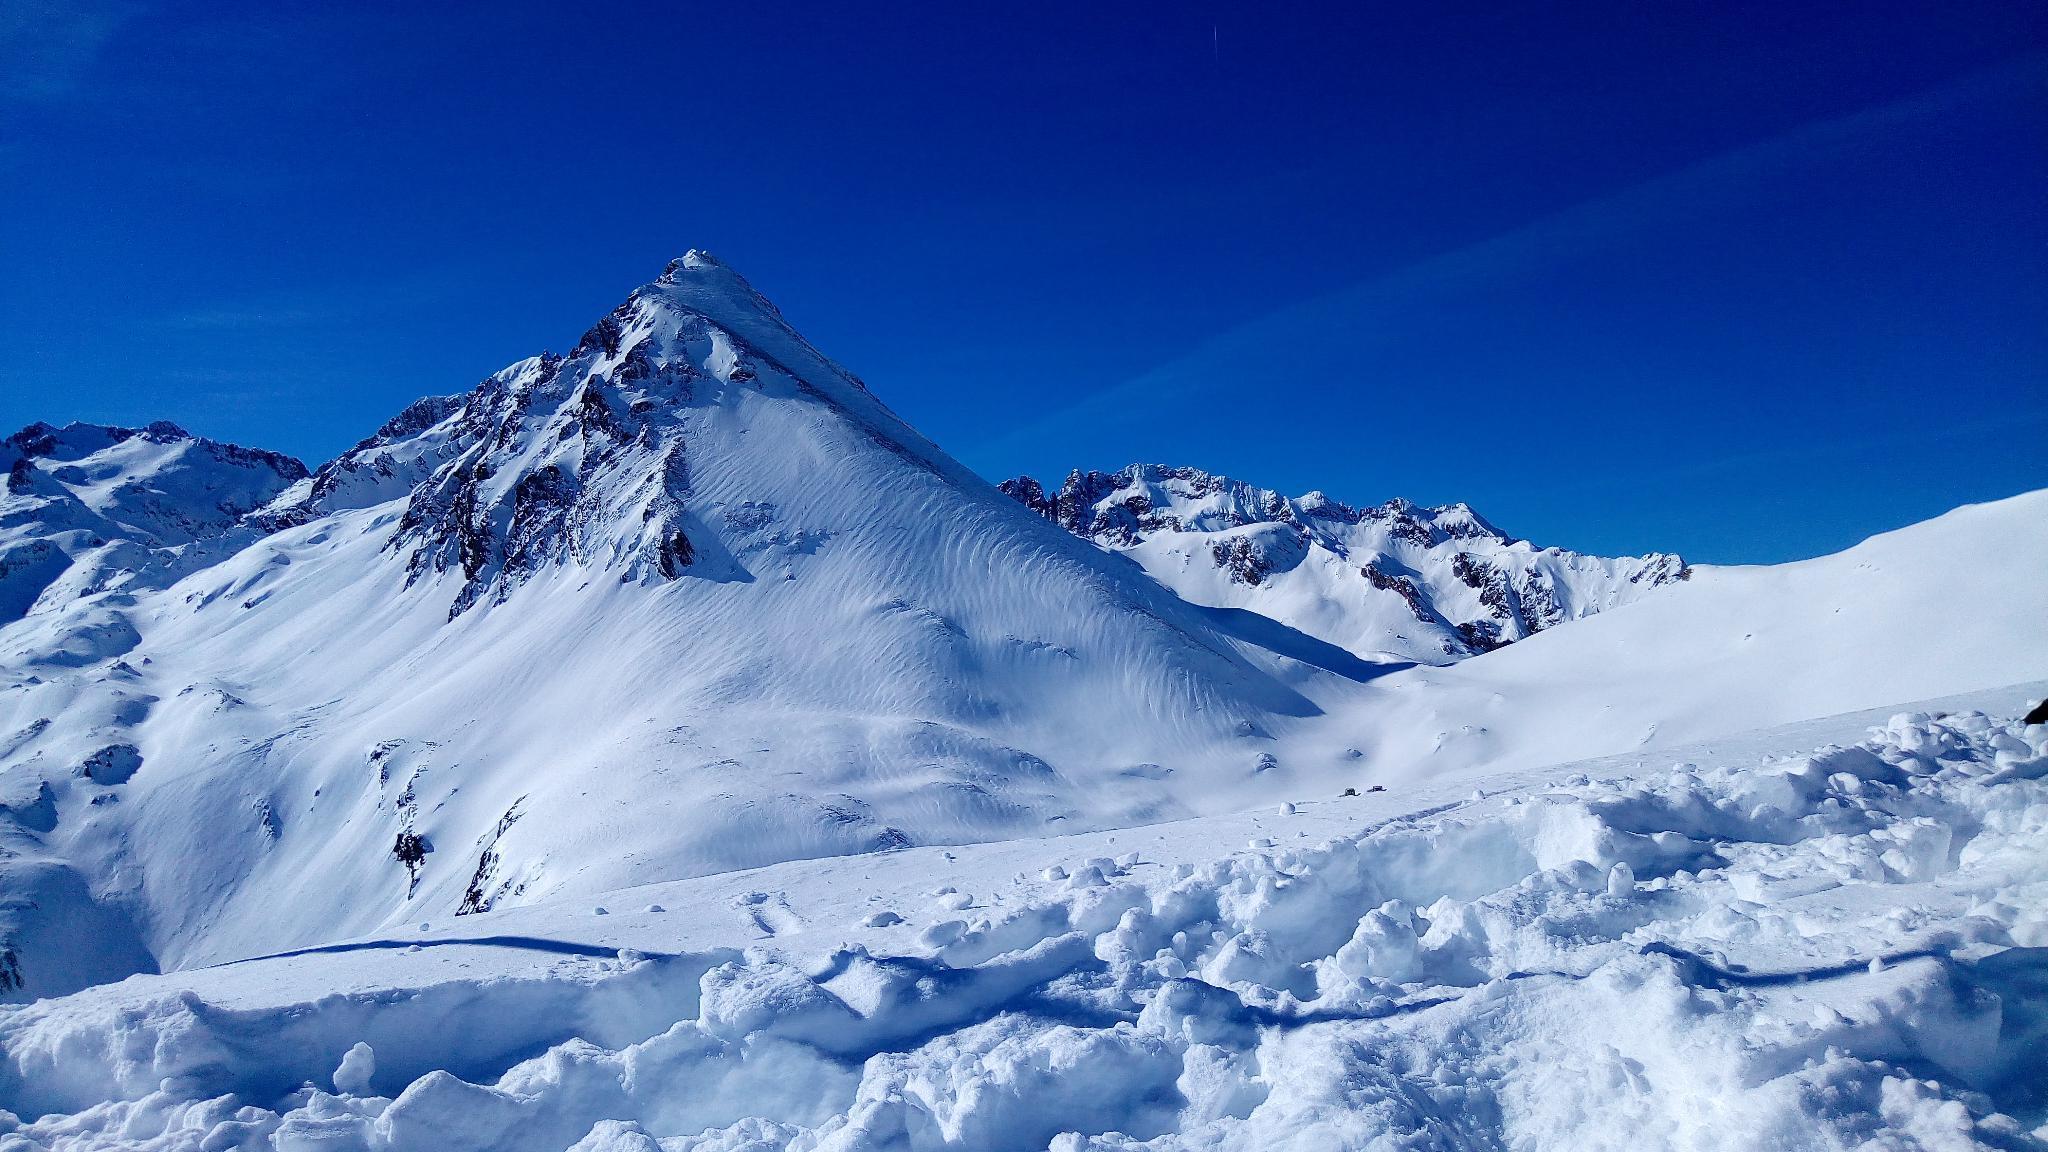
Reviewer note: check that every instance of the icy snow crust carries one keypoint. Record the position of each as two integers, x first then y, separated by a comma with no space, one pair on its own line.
1838,949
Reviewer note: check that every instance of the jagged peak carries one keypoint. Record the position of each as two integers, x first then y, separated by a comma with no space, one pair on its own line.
699,283
1462,585
43,439
587,455
700,270
1458,519
1091,487
422,413
77,440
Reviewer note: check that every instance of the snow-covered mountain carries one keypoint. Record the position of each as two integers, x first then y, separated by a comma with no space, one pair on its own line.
664,747
87,509
687,599
1394,580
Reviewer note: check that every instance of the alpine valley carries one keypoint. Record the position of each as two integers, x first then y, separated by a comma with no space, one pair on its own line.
664,746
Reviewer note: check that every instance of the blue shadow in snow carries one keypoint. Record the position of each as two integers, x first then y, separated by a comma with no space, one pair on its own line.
1273,636
524,943
1701,970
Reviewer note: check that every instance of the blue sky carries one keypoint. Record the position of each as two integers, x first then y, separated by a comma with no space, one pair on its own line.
1744,281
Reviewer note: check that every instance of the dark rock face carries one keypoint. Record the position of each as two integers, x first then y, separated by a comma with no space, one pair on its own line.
1401,586
410,849
1250,557
606,464
604,337
1028,492
416,417
113,764
1481,635
676,553
1238,557
2039,715
484,888
1495,592
1519,604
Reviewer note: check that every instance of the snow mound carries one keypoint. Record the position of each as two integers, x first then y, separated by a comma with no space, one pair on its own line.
1833,949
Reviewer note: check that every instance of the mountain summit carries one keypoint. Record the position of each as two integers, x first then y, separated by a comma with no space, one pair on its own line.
588,458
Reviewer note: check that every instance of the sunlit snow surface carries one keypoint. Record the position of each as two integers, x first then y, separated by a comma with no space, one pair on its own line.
1761,945
665,743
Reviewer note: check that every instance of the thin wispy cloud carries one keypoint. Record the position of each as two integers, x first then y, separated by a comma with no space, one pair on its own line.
1376,304
48,47
231,319
335,305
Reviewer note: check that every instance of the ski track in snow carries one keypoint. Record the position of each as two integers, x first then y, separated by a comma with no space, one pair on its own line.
1753,947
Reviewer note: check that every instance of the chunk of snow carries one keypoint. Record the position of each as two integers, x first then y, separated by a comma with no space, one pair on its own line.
358,1065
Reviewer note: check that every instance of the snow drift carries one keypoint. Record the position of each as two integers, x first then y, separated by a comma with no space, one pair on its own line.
1839,948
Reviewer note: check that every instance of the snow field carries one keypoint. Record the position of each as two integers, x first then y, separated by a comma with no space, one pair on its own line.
1842,949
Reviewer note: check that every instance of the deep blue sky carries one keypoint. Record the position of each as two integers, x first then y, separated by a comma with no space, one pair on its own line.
1747,281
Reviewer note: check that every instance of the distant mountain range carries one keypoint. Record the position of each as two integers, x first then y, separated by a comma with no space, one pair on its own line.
1393,580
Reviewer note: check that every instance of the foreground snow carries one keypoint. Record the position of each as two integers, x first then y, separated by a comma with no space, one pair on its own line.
1748,948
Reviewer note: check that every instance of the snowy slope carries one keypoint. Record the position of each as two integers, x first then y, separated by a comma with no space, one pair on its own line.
86,508
1769,945
686,600
1949,605
1394,581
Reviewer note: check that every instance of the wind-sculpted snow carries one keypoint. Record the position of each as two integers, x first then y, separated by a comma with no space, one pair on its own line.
1840,949
1393,580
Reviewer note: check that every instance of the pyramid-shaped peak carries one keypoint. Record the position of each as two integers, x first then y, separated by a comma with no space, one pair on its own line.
696,259
695,263
603,456
703,283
